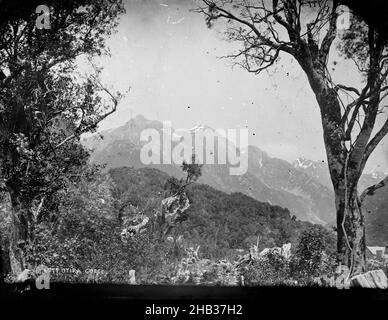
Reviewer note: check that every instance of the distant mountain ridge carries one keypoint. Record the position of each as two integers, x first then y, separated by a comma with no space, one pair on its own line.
375,206
304,187
319,171
267,180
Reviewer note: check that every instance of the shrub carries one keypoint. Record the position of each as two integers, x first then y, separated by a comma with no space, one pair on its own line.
314,256
271,269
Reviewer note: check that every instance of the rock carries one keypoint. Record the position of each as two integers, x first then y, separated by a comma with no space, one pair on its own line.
132,277
25,275
255,255
242,280
284,251
192,253
371,279
254,252
137,224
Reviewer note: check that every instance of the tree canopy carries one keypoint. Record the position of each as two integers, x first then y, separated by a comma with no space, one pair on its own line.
45,103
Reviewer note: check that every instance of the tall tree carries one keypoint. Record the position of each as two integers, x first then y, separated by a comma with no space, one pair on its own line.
306,30
45,105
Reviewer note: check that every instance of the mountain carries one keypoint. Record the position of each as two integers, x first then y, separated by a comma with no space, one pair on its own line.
315,169
370,179
281,175
375,206
267,179
376,217
320,172
217,221
121,146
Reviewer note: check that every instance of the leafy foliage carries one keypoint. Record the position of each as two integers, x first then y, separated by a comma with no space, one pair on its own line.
314,256
193,172
46,105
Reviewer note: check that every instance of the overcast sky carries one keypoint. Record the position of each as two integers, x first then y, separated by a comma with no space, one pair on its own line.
170,59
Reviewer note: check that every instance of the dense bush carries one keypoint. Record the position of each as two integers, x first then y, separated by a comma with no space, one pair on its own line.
314,256
84,235
271,270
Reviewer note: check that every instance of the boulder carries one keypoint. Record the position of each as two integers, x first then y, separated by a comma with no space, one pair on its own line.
25,275
132,277
135,225
372,279
255,255
284,251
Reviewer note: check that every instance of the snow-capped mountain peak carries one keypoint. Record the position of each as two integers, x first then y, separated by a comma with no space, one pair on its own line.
303,163
198,127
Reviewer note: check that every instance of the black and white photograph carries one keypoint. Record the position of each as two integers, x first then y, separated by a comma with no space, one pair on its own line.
169,149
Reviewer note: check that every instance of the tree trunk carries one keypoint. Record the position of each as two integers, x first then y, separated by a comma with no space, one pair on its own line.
20,233
17,246
350,221
351,244
1,265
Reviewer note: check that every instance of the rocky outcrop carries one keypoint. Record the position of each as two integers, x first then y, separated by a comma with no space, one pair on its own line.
193,270
375,279
134,225
284,251
255,255
173,211
24,276
174,208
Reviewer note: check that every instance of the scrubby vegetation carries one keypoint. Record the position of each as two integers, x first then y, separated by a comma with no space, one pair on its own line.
218,229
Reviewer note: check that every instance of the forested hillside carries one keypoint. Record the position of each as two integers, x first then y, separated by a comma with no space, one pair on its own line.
217,221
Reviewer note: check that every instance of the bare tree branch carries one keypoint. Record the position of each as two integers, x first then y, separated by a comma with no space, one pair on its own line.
375,141
340,86
372,189
228,15
95,123
330,35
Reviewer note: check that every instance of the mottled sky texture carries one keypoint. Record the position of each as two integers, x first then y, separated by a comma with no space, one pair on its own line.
170,58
